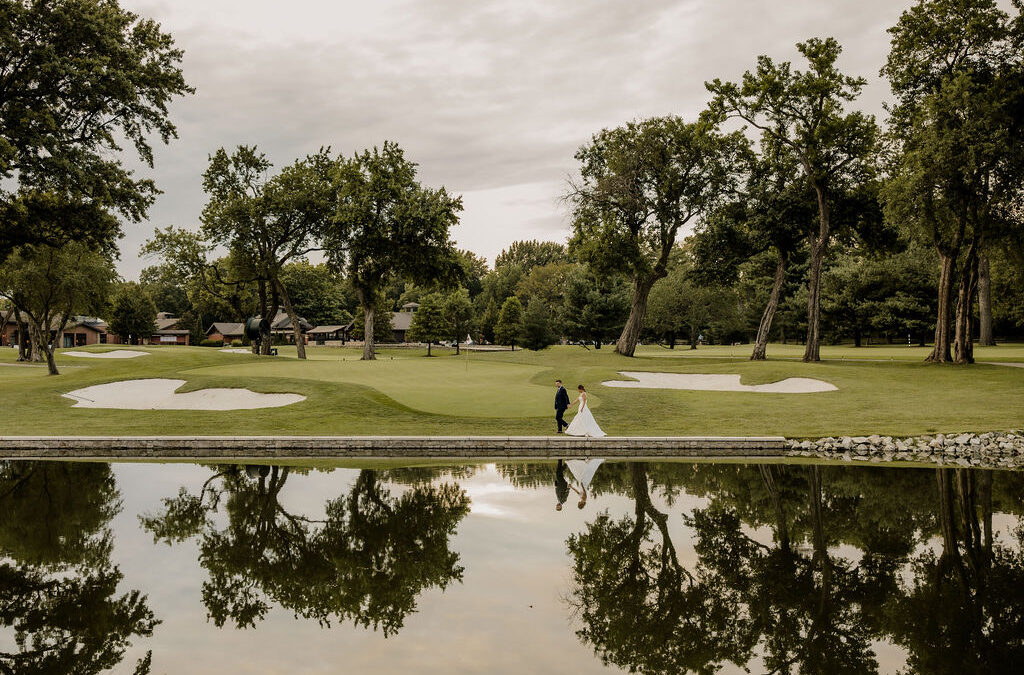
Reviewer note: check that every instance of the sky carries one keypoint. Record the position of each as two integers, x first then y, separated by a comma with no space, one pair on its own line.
491,99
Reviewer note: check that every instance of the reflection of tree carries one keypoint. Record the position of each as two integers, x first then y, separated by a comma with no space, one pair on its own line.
57,583
962,611
367,561
640,608
799,604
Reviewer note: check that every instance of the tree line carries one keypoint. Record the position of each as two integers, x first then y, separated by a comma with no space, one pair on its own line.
809,219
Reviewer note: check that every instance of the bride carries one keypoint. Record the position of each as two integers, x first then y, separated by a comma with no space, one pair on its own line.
584,423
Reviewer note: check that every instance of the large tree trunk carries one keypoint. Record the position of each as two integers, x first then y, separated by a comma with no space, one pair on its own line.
46,350
368,311
300,340
963,346
781,528
634,324
942,352
37,341
985,336
819,245
51,365
761,343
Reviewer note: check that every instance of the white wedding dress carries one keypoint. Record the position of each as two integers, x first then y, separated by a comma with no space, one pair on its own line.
584,424
584,470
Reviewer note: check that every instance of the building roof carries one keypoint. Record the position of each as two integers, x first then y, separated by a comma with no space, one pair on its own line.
165,322
326,329
226,328
401,320
282,322
410,306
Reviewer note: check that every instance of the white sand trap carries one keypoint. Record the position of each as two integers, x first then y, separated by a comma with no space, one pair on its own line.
158,394
694,382
235,350
116,354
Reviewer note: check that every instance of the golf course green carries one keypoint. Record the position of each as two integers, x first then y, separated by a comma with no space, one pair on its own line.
887,390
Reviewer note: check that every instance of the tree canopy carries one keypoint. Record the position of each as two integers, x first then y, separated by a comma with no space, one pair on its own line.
80,78
387,224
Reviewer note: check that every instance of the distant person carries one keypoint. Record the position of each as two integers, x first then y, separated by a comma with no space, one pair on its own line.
561,404
584,423
561,485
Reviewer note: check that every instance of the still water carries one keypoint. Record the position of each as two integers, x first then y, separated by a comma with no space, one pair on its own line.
648,568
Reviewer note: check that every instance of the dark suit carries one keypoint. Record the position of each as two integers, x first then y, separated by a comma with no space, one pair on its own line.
561,403
561,484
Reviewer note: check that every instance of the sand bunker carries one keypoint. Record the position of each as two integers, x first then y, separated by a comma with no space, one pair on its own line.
235,350
116,354
158,394
791,385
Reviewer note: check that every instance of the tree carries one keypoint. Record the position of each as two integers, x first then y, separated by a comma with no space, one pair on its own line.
267,223
218,289
546,283
49,286
489,320
773,214
316,293
529,254
679,305
458,314
382,329
639,185
804,113
474,269
61,599
133,314
510,323
79,78
595,306
388,224
537,333
366,561
169,293
956,130
429,323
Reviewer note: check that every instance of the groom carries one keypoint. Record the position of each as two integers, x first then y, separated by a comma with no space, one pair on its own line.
561,403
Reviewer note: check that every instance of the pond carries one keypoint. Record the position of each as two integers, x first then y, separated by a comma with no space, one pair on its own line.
648,567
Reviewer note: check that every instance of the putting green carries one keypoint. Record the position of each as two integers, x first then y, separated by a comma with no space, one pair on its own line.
440,386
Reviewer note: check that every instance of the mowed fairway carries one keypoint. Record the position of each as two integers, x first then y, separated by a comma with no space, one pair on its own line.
886,390
444,385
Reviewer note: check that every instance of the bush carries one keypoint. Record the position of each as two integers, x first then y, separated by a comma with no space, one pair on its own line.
236,343
211,343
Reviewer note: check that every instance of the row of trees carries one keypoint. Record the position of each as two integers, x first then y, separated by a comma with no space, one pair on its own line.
831,205
78,80
367,213
946,173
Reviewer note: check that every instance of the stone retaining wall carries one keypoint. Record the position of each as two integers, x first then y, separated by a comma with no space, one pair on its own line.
368,447
988,450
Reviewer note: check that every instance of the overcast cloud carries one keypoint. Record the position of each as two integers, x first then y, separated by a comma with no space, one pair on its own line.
492,99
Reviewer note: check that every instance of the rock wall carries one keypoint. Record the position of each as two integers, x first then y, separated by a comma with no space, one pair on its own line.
988,450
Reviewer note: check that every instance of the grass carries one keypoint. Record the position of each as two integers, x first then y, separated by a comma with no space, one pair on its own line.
885,389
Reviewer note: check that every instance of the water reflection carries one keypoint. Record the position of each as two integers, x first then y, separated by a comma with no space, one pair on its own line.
800,607
671,567
365,561
58,586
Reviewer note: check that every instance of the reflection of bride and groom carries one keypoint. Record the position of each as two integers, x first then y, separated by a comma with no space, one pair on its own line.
583,424
582,475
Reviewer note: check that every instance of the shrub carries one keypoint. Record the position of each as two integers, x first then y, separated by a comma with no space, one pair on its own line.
211,343
236,343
